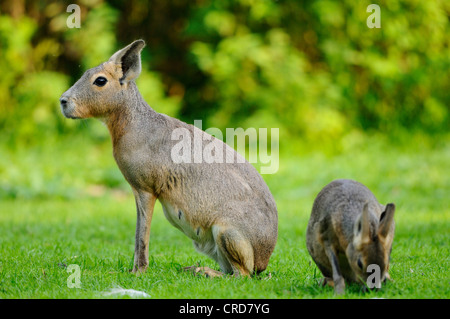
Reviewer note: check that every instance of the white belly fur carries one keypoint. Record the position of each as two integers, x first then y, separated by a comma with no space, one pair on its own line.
178,220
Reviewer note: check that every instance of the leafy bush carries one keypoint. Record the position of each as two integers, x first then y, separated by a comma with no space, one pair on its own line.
313,69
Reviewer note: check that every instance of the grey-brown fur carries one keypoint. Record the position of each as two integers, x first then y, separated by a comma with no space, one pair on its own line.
347,223
226,209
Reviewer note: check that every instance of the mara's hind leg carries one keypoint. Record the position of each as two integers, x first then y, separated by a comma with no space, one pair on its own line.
232,251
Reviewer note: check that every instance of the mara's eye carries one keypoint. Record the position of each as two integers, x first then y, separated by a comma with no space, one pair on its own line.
100,81
360,265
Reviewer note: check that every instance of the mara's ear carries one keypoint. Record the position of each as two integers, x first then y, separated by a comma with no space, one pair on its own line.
129,58
362,227
386,220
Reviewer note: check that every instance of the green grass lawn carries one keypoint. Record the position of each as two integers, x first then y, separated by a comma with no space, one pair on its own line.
66,203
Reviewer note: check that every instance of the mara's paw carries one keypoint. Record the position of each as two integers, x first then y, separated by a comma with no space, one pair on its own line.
205,271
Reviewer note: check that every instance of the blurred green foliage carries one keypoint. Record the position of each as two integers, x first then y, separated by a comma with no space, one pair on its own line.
311,68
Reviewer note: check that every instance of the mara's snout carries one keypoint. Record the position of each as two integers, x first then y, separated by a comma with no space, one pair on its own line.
67,107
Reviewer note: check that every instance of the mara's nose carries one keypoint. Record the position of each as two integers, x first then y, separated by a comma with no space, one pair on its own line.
63,101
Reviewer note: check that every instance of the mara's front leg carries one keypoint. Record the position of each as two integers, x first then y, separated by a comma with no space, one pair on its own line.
338,280
145,202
